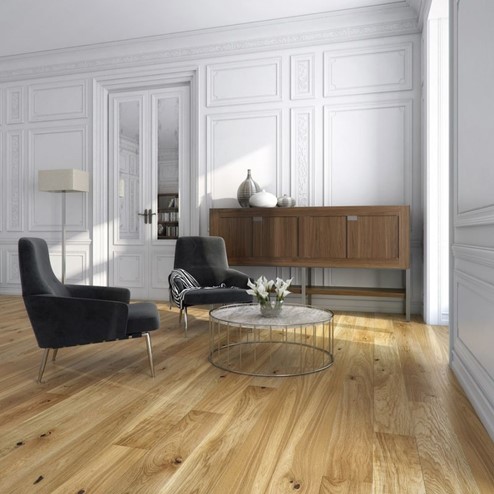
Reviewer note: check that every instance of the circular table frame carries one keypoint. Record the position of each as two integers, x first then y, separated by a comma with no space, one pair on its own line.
240,339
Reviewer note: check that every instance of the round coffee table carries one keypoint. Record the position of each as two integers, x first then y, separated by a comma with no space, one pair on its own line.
299,341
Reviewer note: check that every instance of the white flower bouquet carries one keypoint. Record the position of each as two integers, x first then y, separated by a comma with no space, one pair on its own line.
263,288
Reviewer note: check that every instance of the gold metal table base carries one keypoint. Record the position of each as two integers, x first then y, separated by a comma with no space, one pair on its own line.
298,342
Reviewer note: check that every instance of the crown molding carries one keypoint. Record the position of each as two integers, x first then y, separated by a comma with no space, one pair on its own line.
83,60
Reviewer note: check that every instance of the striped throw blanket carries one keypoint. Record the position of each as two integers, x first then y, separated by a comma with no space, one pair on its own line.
181,282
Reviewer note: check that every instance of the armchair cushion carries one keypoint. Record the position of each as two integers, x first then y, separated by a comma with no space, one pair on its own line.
142,317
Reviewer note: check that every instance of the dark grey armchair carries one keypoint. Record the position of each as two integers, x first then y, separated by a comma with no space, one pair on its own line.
70,315
205,259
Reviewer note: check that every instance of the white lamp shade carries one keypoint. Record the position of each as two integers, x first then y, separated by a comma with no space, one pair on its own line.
63,180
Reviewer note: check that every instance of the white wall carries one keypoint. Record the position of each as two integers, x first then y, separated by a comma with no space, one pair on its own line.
326,111
472,235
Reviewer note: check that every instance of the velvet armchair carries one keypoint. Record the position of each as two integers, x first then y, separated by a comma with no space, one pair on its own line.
68,315
204,263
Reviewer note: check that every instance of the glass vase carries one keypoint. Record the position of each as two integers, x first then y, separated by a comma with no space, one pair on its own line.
271,308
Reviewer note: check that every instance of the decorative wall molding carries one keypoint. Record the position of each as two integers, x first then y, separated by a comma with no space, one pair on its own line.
82,64
470,340
14,105
472,382
302,155
370,70
15,181
474,254
213,123
3,185
162,265
481,216
331,113
67,149
12,274
302,76
249,81
57,101
128,269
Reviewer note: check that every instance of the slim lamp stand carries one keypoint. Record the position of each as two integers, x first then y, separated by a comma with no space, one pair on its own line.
63,180
64,213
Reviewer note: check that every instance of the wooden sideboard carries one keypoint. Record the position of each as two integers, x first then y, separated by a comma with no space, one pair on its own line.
322,237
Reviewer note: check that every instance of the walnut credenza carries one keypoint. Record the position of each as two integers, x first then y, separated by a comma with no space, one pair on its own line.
320,237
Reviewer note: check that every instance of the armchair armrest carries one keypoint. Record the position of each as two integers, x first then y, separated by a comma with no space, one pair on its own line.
100,292
65,321
236,278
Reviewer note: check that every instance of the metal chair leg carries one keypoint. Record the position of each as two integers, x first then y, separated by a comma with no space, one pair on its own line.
54,356
150,352
185,321
42,366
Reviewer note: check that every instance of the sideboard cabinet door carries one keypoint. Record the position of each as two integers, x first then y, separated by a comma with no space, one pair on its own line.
275,237
374,237
238,236
323,237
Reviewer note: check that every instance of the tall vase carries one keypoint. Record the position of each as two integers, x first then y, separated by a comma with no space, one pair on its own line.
246,189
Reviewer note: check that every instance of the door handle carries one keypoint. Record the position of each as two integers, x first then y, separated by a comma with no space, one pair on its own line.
150,216
145,214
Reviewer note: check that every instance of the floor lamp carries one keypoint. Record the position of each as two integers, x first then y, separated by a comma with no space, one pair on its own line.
63,180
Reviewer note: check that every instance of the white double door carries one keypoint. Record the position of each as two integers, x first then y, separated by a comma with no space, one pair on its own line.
149,159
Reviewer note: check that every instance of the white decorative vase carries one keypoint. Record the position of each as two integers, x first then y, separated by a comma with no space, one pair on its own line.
263,199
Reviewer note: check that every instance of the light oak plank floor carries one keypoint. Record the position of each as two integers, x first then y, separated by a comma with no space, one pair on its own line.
387,417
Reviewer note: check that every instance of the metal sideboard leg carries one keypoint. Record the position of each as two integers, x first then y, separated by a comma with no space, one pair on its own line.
408,293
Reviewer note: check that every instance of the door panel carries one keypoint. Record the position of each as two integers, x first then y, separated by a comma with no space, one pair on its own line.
148,152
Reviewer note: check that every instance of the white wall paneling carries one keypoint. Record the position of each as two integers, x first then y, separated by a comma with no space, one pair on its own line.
77,265
302,158
14,194
473,335
51,148
472,211
371,70
14,105
250,81
3,185
12,274
367,154
302,76
57,101
238,142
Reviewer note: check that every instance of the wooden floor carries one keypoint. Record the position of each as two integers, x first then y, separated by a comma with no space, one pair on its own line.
389,416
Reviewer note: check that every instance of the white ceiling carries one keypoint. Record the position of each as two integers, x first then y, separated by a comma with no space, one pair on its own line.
35,25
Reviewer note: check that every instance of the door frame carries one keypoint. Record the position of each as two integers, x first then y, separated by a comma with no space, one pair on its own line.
102,87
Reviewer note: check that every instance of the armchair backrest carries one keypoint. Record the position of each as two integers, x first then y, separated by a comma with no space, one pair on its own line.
37,276
203,257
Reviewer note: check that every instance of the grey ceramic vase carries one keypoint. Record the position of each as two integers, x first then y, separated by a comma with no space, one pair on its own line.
246,189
